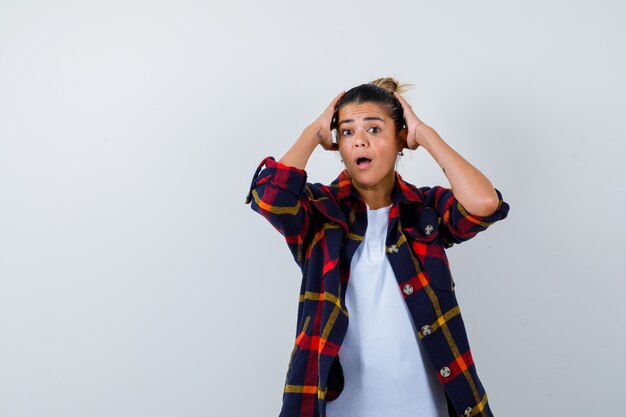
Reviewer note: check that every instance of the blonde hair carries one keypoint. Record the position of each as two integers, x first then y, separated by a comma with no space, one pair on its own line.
391,84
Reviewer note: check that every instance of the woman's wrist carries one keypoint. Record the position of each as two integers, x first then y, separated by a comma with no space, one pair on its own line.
428,136
299,153
309,137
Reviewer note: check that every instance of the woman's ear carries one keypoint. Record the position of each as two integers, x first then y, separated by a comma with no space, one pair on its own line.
402,134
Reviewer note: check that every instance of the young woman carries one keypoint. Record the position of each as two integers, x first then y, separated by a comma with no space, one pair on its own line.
379,330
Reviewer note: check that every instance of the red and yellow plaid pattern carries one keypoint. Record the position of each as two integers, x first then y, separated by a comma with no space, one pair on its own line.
323,226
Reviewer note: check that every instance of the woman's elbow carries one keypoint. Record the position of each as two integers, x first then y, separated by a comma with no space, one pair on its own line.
486,208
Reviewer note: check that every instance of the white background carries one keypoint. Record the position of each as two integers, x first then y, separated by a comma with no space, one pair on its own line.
134,281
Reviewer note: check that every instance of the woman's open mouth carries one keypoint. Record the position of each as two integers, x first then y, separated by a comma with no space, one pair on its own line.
363,162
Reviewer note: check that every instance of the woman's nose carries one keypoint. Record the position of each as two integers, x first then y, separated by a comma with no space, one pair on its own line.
360,139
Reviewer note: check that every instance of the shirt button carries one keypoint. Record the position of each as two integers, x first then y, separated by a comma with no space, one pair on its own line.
392,249
445,371
468,411
408,289
428,229
426,330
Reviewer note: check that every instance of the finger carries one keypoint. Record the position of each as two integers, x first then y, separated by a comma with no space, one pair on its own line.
341,94
333,104
408,110
405,104
401,99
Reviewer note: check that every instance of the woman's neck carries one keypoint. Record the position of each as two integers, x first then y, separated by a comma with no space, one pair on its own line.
378,196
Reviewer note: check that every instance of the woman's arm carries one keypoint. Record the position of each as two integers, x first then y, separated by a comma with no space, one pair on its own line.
317,133
298,155
278,189
470,186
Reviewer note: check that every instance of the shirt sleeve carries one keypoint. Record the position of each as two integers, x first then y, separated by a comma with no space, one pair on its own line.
277,193
458,224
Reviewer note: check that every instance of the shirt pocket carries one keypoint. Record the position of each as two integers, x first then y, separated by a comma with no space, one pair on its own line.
422,228
423,237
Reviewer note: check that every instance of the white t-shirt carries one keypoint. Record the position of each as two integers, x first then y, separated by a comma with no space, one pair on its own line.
385,367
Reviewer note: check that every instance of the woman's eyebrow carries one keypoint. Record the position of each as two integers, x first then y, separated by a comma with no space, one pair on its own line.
365,118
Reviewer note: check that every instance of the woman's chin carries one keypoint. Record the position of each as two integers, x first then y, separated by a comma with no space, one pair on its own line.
367,178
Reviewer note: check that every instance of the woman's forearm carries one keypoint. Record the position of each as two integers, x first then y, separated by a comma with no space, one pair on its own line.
298,155
470,186
317,133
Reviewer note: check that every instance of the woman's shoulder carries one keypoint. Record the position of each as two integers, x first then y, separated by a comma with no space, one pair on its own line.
317,191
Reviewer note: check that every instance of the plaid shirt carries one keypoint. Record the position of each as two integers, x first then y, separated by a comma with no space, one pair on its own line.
323,226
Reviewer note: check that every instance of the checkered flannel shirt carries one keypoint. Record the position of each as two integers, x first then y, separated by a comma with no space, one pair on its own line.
323,225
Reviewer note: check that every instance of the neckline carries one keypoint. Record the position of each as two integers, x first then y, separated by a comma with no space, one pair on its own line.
380,210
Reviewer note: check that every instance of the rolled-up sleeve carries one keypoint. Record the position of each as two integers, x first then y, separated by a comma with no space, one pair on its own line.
458,224
277,193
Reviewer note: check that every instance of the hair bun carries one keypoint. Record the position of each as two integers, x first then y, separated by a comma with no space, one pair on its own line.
390,84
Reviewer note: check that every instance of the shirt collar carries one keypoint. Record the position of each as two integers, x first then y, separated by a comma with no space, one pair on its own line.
342,188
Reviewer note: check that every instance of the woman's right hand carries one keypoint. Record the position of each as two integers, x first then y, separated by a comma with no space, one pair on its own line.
317,133
321,126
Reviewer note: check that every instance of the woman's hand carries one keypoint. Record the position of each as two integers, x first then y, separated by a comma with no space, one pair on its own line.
321,126
414,137
317,133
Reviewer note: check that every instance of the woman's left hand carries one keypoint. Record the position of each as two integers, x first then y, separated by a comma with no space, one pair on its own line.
414,138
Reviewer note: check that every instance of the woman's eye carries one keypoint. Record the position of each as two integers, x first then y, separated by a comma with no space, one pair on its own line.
343,132
374,129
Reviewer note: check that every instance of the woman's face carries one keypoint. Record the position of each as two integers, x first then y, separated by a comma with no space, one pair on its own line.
368,144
